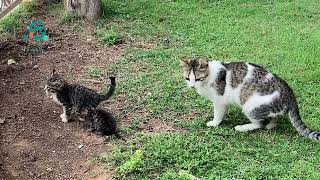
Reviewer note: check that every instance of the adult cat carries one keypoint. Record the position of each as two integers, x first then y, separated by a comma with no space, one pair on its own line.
262,95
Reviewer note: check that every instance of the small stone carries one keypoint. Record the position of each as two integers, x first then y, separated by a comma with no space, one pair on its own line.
11,61
142,125
33,159
2,120
22,82
49,169
36,66
80,146
86,170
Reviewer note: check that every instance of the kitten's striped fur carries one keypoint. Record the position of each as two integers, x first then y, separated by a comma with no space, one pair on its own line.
101,122
262,95
74,98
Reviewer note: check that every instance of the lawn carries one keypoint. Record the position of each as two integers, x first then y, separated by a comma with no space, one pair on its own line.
283,36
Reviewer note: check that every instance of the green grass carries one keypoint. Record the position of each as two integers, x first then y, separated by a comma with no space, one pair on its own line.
110,37
69,17
13,21
95,72
282,35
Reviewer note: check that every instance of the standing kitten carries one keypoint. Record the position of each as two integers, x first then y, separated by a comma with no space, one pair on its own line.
101,122
73,97
262,96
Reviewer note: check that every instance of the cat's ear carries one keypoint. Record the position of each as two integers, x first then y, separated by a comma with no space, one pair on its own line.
53,72
185,63
203,63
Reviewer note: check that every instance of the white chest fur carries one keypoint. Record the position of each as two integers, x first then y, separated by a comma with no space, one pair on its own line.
55,99
231,95
208,92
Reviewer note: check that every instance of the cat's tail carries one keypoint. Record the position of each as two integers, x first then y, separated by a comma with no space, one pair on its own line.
299,124
117,134
111,89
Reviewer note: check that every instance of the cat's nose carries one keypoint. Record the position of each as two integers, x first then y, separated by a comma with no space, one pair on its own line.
191,85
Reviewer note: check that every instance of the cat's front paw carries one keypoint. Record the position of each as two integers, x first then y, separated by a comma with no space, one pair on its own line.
64,118
213,123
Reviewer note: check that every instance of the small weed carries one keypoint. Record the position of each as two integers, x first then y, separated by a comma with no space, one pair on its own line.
69,17
132,164
110,37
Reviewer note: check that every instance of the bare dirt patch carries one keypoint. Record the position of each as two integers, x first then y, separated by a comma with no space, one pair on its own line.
157,126
35,143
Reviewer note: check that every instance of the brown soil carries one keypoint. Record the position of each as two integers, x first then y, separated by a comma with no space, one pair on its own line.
34,142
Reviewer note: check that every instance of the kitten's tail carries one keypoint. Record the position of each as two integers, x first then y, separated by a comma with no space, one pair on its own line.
111,89
299,124
117,134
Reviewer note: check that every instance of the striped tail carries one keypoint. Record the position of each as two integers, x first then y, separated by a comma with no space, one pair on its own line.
111,89
295,119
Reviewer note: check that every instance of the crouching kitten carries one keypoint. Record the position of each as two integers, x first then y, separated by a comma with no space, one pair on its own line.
101,122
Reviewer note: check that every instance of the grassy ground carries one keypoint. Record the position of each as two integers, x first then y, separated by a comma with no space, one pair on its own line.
11,22
284,36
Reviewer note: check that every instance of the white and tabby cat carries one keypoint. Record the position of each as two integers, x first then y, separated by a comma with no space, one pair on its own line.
262,95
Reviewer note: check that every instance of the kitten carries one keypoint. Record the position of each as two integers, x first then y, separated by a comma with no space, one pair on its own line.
74,98
262,95
101,122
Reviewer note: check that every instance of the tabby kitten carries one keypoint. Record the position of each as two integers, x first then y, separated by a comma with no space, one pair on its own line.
262,95
101,122
74,98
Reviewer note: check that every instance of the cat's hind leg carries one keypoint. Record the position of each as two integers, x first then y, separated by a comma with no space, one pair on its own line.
248,127
259,117
272,124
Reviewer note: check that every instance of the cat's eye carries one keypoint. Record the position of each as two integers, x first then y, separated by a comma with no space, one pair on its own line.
188,79
199,79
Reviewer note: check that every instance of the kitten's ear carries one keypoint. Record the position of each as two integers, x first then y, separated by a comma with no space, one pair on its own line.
53,72
185,63
203,63
85,112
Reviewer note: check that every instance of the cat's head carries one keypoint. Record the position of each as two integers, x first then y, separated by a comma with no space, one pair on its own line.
54,83
195,71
